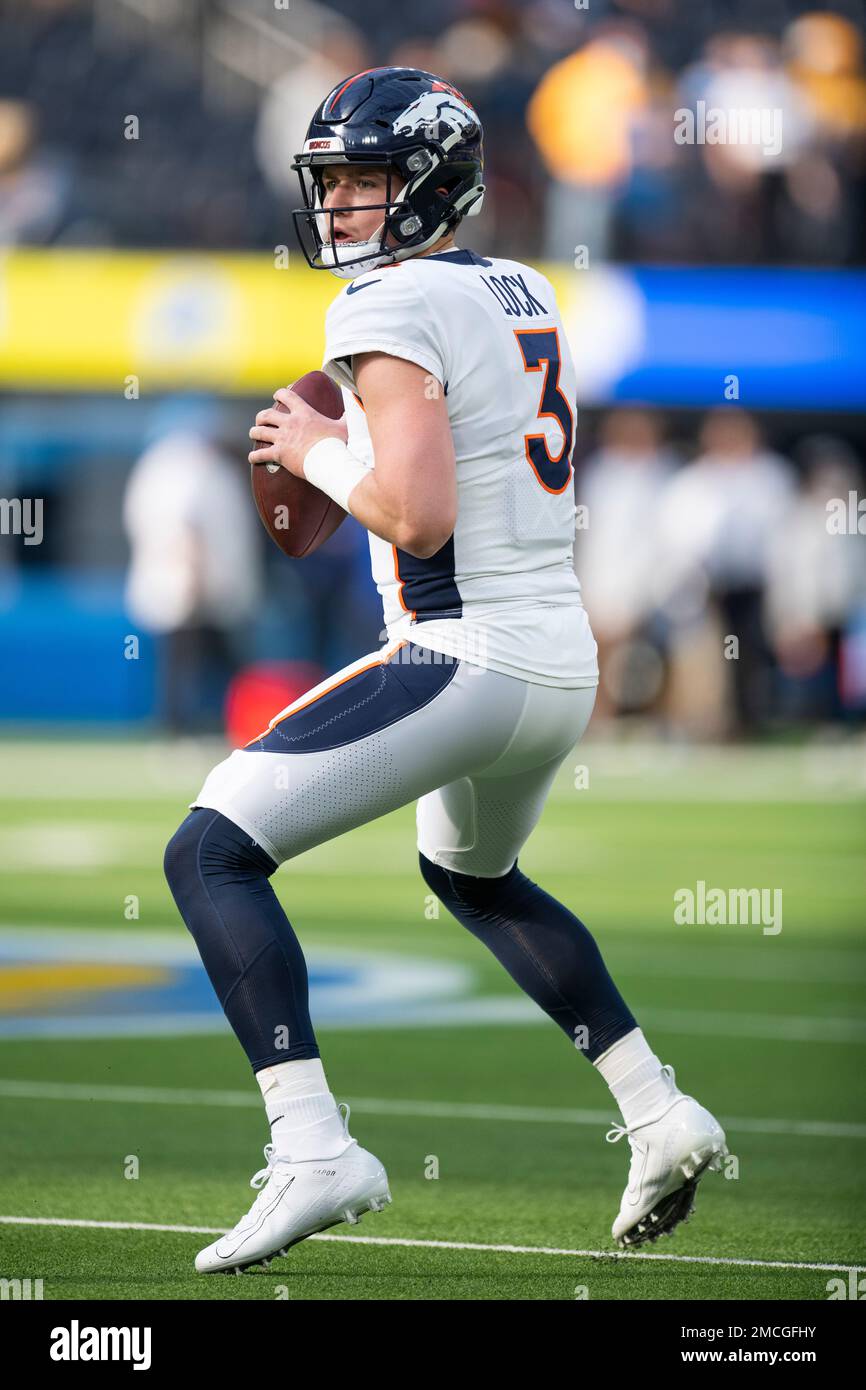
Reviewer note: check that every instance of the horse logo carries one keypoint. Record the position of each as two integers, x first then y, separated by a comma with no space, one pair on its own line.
434,110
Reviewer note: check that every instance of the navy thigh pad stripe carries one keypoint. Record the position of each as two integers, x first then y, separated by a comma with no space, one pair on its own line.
364,704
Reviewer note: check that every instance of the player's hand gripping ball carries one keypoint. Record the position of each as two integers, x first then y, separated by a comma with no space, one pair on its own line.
296,515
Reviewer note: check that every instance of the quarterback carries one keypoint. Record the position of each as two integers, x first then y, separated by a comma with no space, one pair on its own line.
454,452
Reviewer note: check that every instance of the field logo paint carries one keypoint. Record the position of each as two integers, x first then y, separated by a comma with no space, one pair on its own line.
142,984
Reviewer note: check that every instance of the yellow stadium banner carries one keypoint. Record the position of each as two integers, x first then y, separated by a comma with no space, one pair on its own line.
101,320
93,319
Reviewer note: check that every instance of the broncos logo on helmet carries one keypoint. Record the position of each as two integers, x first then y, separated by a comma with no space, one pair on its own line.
430,112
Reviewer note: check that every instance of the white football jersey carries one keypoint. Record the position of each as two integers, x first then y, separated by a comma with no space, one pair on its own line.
502,592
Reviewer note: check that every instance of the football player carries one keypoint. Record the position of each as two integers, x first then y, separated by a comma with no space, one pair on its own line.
455,454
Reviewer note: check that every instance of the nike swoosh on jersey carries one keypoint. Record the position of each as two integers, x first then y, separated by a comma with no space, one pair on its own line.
353,289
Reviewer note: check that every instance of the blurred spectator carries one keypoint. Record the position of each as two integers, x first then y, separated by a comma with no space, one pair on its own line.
209,83
747,76
289,105
717,518
581,117
489,58
825,60
826,188
817,583
737,190
473,52
651,216
194,576
617,555
33,185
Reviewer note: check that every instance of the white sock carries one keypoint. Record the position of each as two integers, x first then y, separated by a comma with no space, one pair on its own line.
634,1075
304,1118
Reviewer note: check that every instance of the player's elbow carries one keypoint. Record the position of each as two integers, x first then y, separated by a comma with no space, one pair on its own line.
423,500
422,539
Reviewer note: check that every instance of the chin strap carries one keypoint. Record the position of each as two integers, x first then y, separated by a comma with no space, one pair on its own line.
364,262
377,257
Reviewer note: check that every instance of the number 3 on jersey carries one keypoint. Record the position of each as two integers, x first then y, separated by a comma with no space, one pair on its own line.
542,345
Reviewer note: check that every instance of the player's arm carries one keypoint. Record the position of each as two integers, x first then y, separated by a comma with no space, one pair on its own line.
411,497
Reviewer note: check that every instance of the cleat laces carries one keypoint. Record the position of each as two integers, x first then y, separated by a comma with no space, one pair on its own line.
616,1131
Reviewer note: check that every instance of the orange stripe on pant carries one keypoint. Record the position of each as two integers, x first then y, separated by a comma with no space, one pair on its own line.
380,661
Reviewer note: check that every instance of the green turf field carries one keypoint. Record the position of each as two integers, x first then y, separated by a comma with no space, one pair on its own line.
767,1030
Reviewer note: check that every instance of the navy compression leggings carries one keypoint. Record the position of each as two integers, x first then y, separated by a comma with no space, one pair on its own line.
219,877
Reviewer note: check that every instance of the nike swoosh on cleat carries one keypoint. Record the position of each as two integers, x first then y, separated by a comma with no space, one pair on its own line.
227,1254
639,1186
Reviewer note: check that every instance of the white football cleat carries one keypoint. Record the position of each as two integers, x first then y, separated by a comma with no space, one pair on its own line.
670,1153
297,1200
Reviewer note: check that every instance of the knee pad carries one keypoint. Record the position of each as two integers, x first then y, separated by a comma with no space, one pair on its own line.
210,844
182,849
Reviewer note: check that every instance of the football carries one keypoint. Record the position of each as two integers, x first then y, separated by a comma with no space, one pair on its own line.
296,515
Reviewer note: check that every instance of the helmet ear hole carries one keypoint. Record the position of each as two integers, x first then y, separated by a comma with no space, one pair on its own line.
444,190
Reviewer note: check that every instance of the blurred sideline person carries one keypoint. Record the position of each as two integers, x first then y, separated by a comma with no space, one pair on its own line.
717,518
816,587
194,572
618,557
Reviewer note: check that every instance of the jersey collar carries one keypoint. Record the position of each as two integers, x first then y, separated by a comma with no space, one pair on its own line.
458,257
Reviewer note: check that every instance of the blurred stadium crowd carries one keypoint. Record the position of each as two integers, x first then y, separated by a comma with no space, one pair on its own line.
577,101
701,528
722,595
725,600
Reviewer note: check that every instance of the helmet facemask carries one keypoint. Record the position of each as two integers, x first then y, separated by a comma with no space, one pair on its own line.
346,259
317,229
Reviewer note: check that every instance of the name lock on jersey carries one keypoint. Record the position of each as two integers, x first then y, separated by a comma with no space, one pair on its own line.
504,289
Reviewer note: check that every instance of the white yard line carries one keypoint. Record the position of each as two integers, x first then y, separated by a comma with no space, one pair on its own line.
444,1244
422,1109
